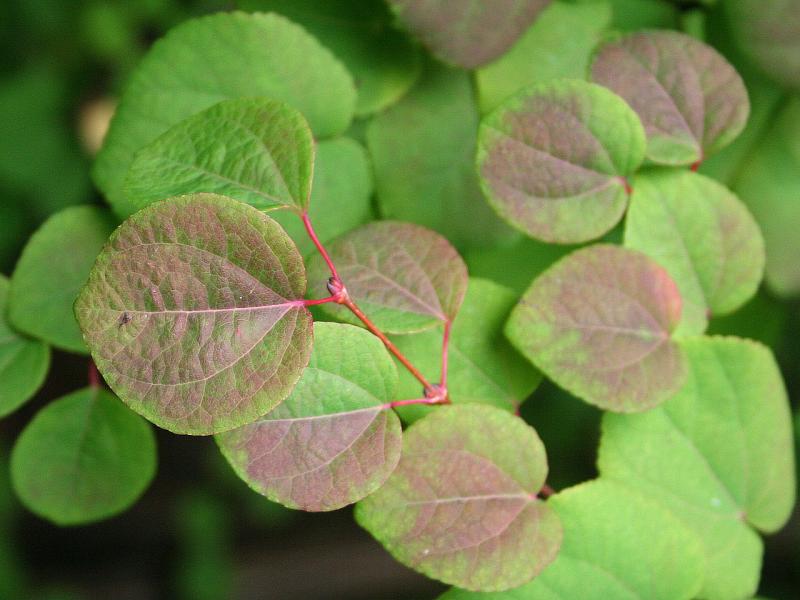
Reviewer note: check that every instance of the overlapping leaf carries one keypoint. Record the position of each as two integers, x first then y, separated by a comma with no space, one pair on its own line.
553,160
468,33
692,102
218,57
52,269
82,458
194,313
405,277
461,506
334,440
718,454
705,238
599,323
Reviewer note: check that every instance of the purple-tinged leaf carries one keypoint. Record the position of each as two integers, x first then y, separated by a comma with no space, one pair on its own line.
461,506
553,160
405,277
599,323
467,33
692,102
194,315
334,440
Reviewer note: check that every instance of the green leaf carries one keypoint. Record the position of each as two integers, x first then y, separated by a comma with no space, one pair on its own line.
461,506
471,33
423,150
705,238
554,157
383,61
23,362
404,277
252,149
599,323
218,57
561,40
335,439
51,271
764,319
692,102
718,455
617,545
194,314
483,367
83,458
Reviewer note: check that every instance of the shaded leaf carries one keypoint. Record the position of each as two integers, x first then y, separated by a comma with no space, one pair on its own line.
718,455
599,323
553,160
617,544
53,267
692,102
404,277
334,440
461,506
23,362
83,458
194,314
252,149
468,33
226,55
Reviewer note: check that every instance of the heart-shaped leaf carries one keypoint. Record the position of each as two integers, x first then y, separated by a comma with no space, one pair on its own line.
718,454
657,558
23,361
335,439
692,102
553,160
461,506
705,238
469,33
52,269
83,458
194,314
405,277
599,323
214,58
255,150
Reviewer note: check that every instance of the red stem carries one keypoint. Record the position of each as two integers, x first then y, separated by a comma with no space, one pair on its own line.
546,492
445,343
93,375
313,235
413,401
320,301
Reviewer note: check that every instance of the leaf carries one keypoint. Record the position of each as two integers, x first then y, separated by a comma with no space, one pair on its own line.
23,362
468,34
218,57
718,455
705,238
335,439
617,544
83,458
561,40
483,367
405,277
423,152
194,314
383,61
599,323
553,160
461,506
251,149
692,102
52,269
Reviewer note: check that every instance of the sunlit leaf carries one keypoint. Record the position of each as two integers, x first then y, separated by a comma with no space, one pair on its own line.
194,314
692,102
83,458
718,455
334,440
554,157
599,323
461,506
